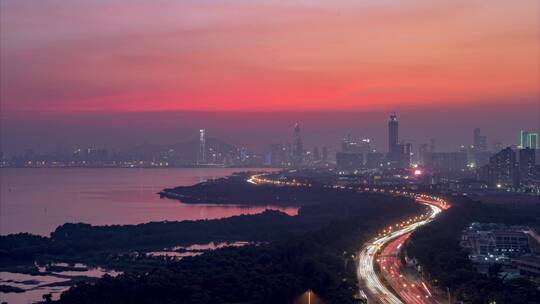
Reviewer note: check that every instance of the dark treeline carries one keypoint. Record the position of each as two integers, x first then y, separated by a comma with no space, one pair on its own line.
111,245
311,251
321,260
446,265
99,244
236,190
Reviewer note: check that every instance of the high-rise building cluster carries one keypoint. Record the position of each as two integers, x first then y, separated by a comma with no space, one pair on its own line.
514,167
295,155
502,171
511,169
359,155
354,155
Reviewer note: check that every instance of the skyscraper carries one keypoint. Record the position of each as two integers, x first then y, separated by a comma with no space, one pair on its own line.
201,156
298,146
523,139
527,162
502,171
399,155
407,153
533,140
528,140
479,141
393,136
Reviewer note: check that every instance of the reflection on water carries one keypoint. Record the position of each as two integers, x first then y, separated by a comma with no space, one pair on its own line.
178,252
82,270
211,246
172,254
35,286
39,200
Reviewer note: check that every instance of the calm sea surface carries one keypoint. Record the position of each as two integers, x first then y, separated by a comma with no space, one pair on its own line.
39,200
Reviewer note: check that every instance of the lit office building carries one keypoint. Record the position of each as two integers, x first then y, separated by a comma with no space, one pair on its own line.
201,155
528,140
494,243
527,163
502,170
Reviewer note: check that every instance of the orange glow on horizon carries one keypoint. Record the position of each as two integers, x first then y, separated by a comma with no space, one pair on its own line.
257,56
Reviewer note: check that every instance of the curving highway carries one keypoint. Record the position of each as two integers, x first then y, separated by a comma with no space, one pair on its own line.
409,287
391,241
383,252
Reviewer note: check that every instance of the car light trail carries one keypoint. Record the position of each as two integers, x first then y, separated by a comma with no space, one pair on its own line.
409,292
389,242
427,289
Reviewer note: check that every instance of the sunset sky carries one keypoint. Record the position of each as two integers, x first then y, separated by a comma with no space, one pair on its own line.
65,58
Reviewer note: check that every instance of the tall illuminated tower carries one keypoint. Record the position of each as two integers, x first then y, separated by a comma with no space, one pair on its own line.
393,136
533,140
297,147
528,140
201,156
523,139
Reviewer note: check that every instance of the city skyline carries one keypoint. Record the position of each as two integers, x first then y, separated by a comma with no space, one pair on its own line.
354,154
306,152
48,134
